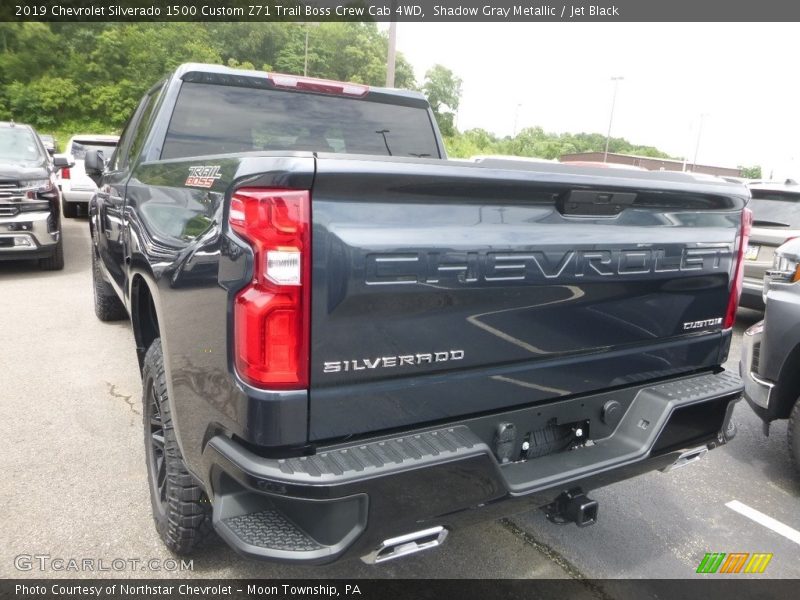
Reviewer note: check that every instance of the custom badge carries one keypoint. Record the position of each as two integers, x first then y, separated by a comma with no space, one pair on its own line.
203,177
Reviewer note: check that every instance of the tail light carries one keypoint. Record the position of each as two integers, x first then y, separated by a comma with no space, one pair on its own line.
322,86
271,315
736,285
65,173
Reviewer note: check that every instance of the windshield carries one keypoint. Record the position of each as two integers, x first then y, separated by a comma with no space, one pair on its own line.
19,145
81,147
775,208
216,119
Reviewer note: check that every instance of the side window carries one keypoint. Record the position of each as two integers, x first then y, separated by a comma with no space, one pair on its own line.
133,135
143,126
120,158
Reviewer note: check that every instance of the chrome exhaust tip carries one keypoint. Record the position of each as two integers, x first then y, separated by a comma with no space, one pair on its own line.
687,458
403,545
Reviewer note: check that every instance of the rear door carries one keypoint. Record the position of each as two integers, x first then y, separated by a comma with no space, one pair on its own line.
110,197
443,289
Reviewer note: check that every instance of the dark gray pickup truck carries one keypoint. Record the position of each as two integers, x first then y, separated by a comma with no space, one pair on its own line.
350,345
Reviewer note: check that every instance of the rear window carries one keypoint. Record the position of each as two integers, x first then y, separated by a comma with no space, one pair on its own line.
775,208
81,147
213,119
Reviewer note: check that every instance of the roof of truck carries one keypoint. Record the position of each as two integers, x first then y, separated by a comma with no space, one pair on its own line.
187,69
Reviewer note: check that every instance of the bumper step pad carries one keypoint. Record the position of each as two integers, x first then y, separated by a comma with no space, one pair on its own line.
269,529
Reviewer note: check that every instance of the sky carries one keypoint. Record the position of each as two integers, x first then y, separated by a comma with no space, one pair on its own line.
741,76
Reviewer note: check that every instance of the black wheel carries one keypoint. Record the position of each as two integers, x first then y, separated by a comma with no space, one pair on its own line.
107,305
54,262
794,436
181,510
69,209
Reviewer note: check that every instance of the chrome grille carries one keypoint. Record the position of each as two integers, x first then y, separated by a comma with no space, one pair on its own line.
9,190
8,210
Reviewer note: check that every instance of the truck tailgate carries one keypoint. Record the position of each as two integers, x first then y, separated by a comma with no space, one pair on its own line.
443,289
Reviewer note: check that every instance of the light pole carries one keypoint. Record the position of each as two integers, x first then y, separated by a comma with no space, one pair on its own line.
697,145
516,119
390,57
305,56
616,81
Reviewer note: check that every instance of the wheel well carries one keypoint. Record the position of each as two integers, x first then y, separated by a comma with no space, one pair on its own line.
143,317
788,388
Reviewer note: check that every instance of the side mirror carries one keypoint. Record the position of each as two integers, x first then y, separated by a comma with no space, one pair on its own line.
51,151
61,161
94,163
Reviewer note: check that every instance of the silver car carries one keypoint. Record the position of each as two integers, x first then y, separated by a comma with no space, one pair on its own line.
76,186
771,348
776,219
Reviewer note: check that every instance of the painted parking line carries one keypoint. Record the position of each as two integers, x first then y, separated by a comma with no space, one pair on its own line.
765,520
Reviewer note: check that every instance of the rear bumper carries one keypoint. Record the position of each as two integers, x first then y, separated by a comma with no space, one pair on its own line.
346,500
752,290
83,196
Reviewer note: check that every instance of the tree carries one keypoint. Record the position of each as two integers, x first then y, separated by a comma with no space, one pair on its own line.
443,90
750,172
67,77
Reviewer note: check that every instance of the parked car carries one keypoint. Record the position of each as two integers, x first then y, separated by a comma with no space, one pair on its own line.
49,142
350,345
770,363
776,219
30,224
76,187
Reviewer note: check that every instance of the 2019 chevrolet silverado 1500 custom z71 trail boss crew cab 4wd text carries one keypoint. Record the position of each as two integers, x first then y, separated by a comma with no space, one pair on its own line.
350,345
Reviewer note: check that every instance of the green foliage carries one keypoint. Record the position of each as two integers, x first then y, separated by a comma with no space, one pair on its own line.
79,77
750,172
443,89
535,142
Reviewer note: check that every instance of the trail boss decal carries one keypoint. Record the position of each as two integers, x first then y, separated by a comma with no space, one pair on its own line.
203,177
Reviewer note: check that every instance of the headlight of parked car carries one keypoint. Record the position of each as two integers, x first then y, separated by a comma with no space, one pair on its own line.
37,185
39,189
785,269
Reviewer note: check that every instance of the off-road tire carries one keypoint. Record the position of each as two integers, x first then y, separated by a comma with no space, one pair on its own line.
181,510
54,262
794,435
107,305
69,209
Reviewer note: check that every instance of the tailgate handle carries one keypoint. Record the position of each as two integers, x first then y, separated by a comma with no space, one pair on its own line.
595,203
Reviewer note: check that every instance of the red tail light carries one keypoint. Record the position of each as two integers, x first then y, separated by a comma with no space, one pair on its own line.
322,86
271,315
65,173
736,285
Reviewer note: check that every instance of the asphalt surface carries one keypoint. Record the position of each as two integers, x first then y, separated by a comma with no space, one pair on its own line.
75,486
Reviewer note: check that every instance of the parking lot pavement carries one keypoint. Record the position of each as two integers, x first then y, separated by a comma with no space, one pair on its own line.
75,483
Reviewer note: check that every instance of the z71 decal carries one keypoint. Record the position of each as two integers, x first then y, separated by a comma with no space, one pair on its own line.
203,177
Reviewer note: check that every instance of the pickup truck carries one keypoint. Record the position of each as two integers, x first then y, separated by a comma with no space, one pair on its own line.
30,223
350,345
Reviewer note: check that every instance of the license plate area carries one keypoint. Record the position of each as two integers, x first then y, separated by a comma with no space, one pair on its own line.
752,252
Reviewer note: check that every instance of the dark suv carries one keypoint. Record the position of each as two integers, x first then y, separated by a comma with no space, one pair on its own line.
30,226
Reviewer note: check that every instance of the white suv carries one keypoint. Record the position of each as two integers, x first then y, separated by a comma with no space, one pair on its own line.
76,187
